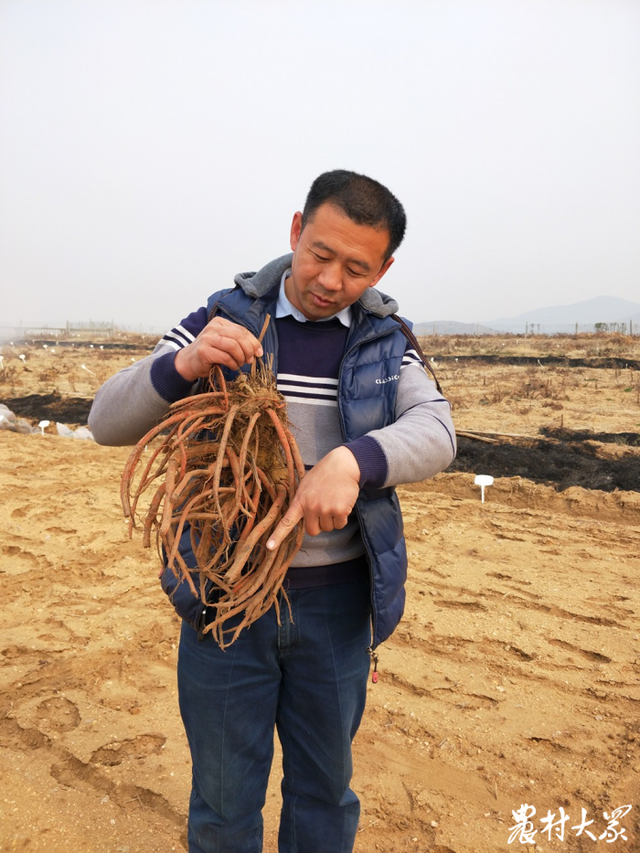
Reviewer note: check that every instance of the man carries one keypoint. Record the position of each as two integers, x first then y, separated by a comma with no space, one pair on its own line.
367,416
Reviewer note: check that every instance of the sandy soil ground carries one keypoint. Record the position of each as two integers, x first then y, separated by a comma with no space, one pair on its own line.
512,679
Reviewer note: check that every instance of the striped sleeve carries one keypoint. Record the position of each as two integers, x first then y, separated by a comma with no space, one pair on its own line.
411,358
186,332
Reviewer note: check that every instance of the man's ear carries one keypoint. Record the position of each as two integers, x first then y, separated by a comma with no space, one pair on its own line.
296,230
384,268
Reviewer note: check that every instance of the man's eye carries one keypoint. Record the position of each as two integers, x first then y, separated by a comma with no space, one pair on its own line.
319,257
355,273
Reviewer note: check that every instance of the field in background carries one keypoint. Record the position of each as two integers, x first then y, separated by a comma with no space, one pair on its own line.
493,382
513,678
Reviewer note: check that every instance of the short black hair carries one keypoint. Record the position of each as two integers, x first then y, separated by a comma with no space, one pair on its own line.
363,200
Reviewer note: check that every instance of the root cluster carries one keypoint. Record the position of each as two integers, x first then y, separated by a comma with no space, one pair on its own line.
224,466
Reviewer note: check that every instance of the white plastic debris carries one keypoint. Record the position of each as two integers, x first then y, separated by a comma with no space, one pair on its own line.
84,433
8,421
64,431
81,432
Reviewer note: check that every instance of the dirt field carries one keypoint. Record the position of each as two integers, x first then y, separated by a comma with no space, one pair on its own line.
513,678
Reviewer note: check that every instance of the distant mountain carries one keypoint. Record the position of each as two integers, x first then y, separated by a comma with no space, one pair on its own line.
563,318
450,327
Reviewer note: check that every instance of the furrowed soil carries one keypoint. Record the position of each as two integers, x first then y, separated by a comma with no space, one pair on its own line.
512,680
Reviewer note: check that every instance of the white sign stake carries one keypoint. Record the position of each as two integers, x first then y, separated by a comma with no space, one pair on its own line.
483,480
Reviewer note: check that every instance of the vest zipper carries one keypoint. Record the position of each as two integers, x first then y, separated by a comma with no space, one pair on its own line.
374,617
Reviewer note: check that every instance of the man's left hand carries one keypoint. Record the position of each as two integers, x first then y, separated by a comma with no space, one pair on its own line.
325,497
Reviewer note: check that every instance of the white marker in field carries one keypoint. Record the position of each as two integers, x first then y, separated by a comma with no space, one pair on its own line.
42,425
483,480
84,367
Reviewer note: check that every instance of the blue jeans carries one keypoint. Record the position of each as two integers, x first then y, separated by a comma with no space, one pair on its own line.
306,677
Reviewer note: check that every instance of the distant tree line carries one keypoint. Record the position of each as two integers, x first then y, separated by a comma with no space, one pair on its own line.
611,327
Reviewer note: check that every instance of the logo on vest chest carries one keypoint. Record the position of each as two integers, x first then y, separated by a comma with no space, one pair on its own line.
387,379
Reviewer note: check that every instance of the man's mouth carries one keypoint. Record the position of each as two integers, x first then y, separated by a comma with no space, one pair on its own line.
320,301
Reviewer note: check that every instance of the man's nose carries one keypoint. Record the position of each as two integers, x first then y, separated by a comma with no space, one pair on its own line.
331,276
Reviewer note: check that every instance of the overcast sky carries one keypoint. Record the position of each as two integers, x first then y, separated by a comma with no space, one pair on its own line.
150,149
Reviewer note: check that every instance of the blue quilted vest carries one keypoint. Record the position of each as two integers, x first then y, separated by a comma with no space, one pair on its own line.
374,350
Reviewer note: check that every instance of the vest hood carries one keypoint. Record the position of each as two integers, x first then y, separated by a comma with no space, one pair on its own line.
256,284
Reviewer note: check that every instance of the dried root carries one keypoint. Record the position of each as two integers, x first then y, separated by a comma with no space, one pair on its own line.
224,465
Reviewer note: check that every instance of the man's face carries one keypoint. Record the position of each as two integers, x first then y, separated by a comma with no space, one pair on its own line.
334,262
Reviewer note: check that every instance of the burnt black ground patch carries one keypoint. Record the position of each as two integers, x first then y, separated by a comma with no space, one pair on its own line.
602,363
52,407
562,458
630,439
560,464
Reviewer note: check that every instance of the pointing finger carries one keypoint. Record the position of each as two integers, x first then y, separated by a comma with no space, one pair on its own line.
287,523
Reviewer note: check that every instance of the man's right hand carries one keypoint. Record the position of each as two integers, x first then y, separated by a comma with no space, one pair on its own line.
220,342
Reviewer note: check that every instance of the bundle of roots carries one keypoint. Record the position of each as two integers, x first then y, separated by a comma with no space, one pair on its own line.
223,465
